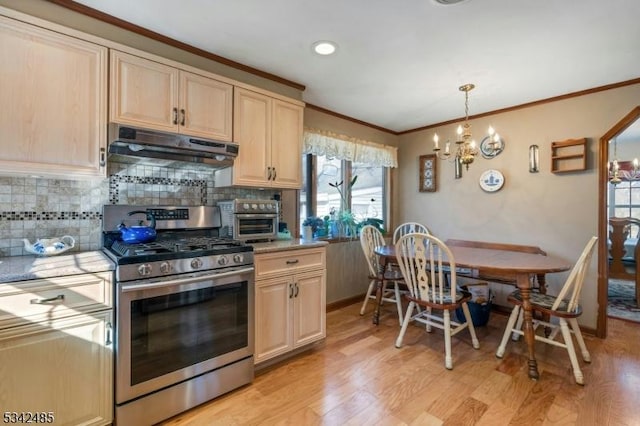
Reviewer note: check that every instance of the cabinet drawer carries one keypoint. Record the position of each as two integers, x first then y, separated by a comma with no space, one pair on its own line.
289,261
25,302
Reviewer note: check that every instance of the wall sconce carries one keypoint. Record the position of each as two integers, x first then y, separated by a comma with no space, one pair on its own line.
534,159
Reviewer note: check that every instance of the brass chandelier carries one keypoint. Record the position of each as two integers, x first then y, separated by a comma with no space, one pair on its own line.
619,170
466,148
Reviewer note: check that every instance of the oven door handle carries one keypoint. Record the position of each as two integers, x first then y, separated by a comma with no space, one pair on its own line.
256,215
124,288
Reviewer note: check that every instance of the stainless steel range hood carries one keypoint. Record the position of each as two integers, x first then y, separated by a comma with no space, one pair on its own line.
135,145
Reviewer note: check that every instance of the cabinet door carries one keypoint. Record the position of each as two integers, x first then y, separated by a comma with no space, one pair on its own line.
64,367
252,131
309,321
143,92
273,317
206,107
53,100
286,146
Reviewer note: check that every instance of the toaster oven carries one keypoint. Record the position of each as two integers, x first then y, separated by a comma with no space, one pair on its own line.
249,220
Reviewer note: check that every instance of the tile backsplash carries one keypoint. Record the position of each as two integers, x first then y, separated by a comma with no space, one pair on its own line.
35,208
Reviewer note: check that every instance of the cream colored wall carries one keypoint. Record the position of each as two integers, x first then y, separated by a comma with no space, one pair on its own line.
557,212
60,15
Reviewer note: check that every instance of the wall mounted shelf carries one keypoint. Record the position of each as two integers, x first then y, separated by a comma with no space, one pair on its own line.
569,155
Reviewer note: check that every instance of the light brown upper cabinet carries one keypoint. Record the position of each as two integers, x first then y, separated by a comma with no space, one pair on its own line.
53,103
156,96
269,133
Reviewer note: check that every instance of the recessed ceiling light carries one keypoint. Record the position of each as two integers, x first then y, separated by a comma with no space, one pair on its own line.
449,2
324,47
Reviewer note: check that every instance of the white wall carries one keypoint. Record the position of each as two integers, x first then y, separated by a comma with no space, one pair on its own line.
557,212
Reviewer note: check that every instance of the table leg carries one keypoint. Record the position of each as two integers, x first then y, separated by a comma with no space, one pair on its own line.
382,265
525,290
376,311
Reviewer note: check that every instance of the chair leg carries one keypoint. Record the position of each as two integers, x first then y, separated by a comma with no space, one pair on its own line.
398,302
568,341
366,298
472,329
507,331
576,331
428,326
448,360
405,323
516,336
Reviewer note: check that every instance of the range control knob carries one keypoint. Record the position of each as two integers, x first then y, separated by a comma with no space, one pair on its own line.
144,269
245,206
165,267
270,206
254,206
223,260
261,206
196,263
238,258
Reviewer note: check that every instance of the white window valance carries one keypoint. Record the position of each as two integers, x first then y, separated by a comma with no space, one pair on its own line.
343,147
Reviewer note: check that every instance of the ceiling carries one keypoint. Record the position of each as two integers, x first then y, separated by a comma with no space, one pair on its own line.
399,63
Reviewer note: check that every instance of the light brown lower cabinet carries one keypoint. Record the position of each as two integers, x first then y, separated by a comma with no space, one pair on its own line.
290,301
59,370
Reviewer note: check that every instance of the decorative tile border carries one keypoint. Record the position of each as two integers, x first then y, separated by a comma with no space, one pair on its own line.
131,184
13,216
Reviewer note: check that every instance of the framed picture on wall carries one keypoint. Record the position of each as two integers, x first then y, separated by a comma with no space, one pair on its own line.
428,173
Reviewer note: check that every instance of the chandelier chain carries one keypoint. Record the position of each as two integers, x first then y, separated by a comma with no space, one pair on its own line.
466,106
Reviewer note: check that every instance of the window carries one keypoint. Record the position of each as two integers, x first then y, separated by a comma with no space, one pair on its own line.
624,199
318,198
367,197
332,161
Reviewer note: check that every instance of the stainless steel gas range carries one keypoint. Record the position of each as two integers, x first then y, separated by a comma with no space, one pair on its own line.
185,312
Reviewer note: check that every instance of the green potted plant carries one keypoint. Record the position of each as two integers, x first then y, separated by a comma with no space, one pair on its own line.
314,223
345,221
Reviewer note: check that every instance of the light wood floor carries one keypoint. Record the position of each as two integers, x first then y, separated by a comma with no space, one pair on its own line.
358,377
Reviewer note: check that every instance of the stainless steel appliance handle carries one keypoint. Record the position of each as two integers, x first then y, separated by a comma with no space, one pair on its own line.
256,215
124,288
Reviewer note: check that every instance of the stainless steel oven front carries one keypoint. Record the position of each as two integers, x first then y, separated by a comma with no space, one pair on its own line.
178,333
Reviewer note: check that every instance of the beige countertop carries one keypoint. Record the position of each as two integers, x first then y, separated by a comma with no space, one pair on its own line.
282,245
21,268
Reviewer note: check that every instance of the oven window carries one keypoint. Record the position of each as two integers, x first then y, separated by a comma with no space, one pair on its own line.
256,226
175,331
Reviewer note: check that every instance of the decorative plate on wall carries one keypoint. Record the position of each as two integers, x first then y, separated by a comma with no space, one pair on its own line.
491,180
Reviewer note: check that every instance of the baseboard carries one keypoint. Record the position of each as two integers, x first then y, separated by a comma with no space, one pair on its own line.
339,304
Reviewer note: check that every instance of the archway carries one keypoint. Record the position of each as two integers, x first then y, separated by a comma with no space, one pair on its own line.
603,253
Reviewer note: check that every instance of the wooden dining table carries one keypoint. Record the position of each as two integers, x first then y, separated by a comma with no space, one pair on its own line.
521,265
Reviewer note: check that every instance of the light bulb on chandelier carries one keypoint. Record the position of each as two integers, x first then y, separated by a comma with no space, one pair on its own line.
466,148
